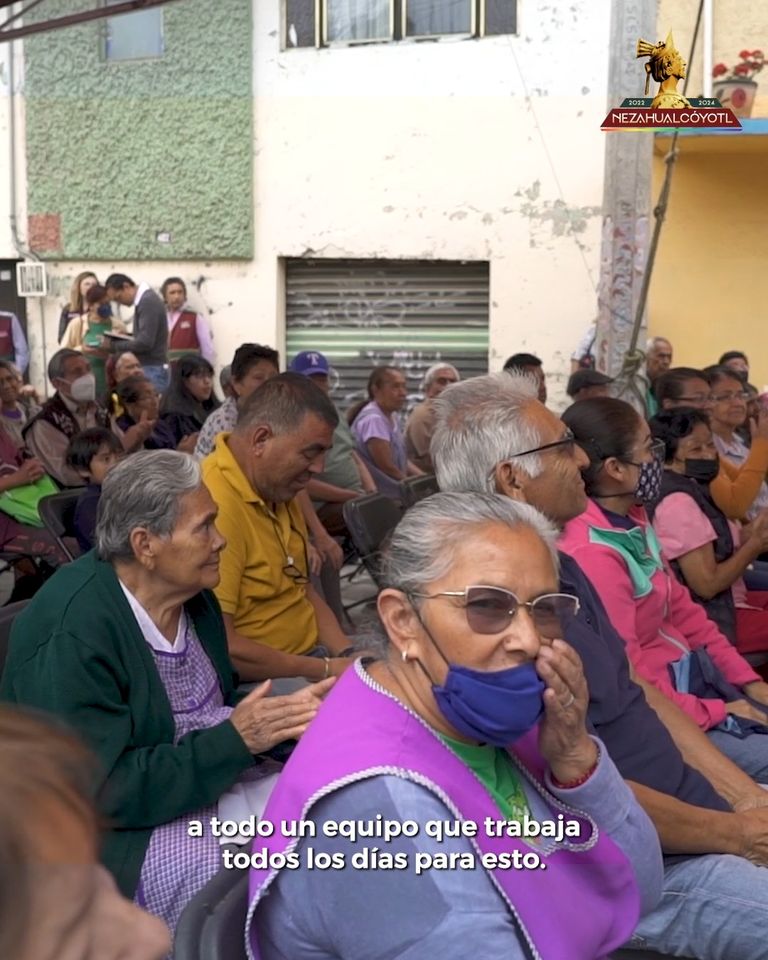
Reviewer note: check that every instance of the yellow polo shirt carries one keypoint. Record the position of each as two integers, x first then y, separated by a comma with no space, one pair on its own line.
267,604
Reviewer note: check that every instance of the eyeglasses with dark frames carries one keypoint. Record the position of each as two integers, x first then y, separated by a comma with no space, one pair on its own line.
290,569
490,610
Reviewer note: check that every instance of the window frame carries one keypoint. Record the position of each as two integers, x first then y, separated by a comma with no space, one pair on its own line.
145,58
398,13
476,19
321,18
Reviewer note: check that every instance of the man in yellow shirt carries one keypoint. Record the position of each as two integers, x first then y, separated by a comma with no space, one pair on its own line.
277,624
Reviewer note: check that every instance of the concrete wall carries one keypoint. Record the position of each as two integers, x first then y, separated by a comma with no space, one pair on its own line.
483,149
119,151
477,149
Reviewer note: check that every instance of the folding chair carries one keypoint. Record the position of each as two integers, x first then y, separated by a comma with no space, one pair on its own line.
417,488
370,520
212,925
58,514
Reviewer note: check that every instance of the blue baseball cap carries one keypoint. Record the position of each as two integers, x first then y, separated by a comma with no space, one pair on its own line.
310,363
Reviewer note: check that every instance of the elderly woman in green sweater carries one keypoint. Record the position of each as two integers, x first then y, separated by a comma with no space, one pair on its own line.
127,645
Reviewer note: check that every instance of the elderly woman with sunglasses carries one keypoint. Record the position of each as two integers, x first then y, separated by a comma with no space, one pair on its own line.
425,777
670,641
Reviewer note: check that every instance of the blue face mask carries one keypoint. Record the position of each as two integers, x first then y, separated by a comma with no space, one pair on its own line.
495,707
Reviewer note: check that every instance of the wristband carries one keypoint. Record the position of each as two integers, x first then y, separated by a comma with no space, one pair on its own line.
579,781
327,667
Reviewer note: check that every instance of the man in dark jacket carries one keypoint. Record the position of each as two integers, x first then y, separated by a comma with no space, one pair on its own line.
150,327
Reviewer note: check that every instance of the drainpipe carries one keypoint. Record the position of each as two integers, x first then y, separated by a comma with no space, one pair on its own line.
23,251
708,45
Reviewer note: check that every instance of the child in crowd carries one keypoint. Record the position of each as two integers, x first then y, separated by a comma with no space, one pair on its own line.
92,454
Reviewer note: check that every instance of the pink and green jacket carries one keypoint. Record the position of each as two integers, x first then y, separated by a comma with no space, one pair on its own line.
651,610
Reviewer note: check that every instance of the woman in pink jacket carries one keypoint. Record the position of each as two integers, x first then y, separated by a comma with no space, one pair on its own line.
670,641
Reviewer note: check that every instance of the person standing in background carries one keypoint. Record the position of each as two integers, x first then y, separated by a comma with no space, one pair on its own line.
150,327
421,422
658,359
75,306
188,331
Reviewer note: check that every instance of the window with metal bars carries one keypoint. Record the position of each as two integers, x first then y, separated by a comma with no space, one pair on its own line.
322,23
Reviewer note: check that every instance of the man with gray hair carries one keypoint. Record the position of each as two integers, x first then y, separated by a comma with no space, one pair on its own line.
492,435
277,624
658,359
421,422
70,410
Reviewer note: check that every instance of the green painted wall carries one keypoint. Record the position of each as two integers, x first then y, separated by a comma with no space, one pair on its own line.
120,151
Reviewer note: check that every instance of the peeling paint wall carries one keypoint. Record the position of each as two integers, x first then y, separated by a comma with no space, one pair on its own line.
477,149
120,151
484,149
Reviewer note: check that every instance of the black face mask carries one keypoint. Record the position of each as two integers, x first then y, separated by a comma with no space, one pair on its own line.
702,471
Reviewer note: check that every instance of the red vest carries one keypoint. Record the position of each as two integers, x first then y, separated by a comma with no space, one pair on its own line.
6,337
183,338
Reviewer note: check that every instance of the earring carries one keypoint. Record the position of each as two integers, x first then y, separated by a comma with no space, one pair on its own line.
404,656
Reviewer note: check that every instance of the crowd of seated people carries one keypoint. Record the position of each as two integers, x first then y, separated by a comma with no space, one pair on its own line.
562,630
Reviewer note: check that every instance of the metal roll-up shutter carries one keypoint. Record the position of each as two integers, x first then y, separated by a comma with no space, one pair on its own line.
362,313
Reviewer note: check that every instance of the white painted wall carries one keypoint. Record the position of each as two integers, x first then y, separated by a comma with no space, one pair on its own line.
484,149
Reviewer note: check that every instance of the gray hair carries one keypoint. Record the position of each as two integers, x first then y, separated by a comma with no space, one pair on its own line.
651,342
422,546
225,377
56,365
479,424
431,372
144,490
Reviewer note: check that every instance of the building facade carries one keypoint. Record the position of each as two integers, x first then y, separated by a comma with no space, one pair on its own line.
387,186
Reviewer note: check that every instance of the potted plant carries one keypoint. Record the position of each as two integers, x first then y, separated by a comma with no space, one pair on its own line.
734,86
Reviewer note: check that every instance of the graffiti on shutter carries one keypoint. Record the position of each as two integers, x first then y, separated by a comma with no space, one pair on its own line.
410,314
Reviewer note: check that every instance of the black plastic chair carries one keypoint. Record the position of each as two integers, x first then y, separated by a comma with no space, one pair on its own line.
417,488
212,925
8,614
370,520
58,514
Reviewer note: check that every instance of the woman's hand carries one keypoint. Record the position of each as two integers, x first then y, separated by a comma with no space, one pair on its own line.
563,739
743,708
29,472
263,721
137,435
187,444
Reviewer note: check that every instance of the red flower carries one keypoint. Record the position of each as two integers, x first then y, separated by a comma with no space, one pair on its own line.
742,69
719,69
758,55
745,54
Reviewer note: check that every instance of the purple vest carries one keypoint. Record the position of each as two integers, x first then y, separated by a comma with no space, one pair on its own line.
583,906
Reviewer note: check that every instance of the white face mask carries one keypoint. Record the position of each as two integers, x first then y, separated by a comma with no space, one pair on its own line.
83,389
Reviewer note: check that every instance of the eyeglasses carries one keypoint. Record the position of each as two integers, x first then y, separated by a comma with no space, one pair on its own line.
490,610
567,439
290,569
733,395
697,398
657,450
